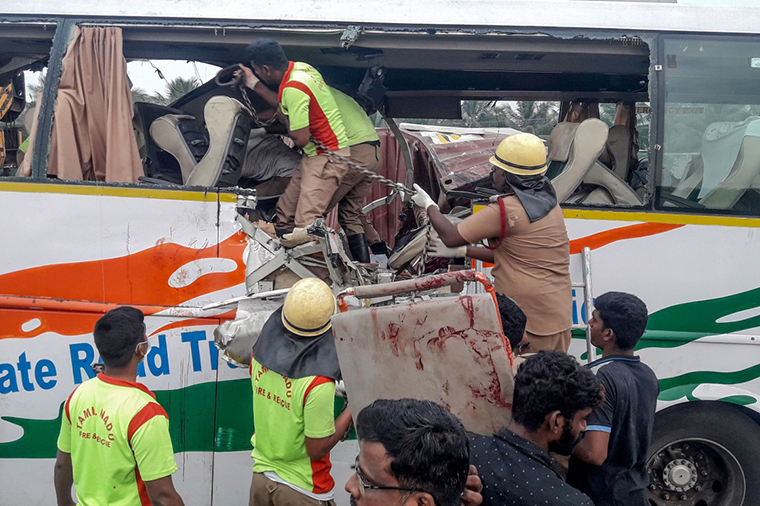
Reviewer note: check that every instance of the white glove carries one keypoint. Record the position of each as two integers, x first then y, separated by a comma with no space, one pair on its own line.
296,237
250,77
422,199
436,248
340,389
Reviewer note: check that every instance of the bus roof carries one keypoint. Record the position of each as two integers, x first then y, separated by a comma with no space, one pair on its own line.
495,15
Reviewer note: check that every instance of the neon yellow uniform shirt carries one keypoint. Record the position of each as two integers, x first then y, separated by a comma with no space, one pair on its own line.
359,128
118,438
285,412
307,101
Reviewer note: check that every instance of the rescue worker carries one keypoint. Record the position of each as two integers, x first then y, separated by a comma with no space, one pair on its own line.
310,108
355,186
114,444
294,368
527,236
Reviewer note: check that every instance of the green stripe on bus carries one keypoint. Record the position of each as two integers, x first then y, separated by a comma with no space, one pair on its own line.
681,386
192,411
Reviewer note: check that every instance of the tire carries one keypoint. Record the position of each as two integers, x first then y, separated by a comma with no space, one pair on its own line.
704,454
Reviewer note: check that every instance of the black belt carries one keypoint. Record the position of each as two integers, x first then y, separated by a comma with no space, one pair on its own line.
371,143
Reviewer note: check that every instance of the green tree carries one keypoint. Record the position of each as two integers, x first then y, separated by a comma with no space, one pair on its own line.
532,117
177,88
141,95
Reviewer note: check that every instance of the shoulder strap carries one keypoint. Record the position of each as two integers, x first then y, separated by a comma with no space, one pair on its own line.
503,213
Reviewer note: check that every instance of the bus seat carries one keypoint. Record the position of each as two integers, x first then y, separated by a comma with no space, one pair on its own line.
690,181
599,196
156,162
180,136
743,173
574,147
618,190
619,147
228,125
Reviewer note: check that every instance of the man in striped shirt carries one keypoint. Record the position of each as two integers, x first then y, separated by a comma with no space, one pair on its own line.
114,443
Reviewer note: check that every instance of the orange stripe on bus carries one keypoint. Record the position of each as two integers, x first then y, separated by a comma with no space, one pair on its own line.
618,234
140,279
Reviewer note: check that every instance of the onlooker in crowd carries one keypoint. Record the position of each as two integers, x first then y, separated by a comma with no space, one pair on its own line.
412,452
114,444
610,464
553,396
528,239
294,368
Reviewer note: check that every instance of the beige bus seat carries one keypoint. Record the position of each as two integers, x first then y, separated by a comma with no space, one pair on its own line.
728,165
167,134
228,125
743,173
156,162
613,190
690,181
574,148
448,350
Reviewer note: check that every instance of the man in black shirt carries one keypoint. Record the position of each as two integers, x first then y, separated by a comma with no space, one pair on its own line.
610,464
553,396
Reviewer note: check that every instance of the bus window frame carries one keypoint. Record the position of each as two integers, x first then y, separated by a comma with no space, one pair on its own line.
657,201
65,25
42,142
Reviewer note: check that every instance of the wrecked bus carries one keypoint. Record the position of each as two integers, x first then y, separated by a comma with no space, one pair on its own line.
664,195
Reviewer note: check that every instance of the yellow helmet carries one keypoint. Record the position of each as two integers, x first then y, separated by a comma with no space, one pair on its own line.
522,154
308,307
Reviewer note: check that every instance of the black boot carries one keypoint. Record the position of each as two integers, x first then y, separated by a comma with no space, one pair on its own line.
357,244
380,248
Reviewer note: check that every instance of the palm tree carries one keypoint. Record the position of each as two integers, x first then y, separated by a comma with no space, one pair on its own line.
142,95
532,117
177,88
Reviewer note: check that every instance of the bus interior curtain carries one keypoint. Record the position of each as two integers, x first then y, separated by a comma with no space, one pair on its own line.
92,137
578,112
625,115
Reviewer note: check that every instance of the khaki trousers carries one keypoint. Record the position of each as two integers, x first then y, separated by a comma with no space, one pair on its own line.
272,187
352,193
310,191
265,492
559,341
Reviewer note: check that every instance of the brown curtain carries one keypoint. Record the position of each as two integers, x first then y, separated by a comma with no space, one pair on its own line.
581,111
92,135
625,115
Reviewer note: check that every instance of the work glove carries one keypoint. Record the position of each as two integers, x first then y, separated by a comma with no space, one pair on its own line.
422,199
340,390
296,237
250,77
436,248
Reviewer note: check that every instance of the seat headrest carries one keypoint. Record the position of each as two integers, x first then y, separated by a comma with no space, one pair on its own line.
560,141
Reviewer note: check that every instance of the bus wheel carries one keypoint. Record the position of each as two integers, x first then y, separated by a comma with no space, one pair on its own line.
703,454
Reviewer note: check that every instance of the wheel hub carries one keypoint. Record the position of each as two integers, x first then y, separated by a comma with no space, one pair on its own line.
680,475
